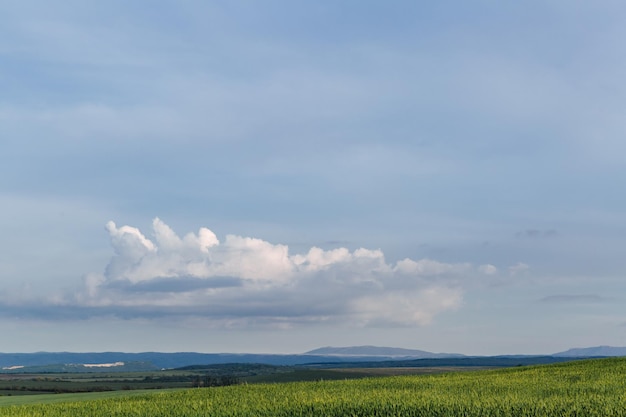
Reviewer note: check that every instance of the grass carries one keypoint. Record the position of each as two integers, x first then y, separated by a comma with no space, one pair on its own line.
73,397
576,389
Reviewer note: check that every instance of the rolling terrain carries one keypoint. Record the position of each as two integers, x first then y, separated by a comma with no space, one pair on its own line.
341,356
578,388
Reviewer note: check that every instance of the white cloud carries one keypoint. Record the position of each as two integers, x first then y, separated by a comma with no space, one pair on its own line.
244,281
129,241
250,281
488,269
418,307
518,268
429,267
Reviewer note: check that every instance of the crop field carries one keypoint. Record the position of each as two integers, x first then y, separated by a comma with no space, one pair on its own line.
16,384
581,388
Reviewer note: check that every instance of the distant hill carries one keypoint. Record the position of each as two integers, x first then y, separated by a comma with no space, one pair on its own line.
112,361
593,351
12,362
390,352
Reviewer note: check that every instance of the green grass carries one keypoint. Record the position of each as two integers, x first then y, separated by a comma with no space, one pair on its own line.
42,399
582,388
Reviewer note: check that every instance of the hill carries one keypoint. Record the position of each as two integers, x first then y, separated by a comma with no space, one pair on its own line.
389,352
12,362
593,351
101,361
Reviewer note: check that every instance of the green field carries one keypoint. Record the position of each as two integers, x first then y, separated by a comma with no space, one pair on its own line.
581,388
30,384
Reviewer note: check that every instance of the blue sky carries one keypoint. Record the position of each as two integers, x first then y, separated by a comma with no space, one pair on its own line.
277,176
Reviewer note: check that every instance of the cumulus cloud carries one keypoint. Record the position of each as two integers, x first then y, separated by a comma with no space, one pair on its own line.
249,281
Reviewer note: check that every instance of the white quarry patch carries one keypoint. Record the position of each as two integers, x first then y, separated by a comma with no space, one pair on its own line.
10,368
103,365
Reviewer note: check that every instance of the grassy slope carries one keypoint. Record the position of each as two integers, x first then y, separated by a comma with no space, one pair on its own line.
584,388
63,398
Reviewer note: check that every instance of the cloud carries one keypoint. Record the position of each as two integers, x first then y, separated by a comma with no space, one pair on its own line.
518,268
248,281
396,308
177,284
488,269
428,267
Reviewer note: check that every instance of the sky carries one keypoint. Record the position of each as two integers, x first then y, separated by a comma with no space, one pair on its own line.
276,176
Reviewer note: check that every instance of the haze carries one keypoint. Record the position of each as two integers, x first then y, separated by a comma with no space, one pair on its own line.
278,176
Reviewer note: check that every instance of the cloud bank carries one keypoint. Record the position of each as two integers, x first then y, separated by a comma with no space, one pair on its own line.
244,281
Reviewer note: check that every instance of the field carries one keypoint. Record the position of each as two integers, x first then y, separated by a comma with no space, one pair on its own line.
28,383
581,388
21,384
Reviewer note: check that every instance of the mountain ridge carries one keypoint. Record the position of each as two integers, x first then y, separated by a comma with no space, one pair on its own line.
338,355
593,351
369,350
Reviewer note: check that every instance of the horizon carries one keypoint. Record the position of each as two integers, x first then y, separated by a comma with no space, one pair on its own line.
307,352
269,177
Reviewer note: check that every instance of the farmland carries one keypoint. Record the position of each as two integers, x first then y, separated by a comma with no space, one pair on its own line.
582,388
36,384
